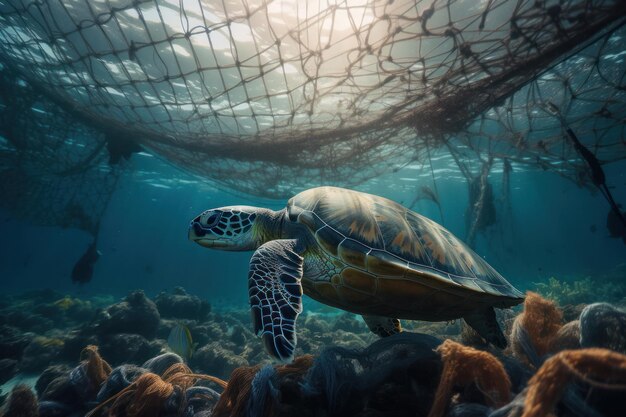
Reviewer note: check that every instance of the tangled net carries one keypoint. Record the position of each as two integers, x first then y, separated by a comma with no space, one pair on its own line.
53,168
268,97
465,365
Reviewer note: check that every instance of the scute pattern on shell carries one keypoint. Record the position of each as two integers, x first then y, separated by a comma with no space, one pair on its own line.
385,229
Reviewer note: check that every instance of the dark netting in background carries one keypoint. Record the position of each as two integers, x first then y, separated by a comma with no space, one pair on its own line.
268,97
54,170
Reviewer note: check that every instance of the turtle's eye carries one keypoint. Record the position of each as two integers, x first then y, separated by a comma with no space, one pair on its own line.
213,219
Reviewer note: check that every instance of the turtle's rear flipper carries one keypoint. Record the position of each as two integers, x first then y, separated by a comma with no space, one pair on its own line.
276,295
383,326
485,323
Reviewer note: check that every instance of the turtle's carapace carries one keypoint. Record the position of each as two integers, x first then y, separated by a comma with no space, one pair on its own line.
358,252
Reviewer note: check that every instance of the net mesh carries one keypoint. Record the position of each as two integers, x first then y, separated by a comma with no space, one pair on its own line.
268,97
54,170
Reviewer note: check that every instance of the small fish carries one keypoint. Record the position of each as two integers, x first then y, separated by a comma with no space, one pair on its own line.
180,341
593,228
83,269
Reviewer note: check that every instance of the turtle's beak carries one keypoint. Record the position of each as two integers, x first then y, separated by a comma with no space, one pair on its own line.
198,234
196,231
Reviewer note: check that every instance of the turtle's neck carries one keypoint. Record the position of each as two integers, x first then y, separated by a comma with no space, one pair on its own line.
271,225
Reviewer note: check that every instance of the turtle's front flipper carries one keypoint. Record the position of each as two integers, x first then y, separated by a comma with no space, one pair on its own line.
485,323
383,326
276,295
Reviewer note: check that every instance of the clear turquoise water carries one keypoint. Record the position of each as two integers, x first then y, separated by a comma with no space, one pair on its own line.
143,237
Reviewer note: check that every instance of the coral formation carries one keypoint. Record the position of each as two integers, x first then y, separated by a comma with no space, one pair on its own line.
40,352
135,315
13,342
182,305
583,290
38,311
217,360
128,347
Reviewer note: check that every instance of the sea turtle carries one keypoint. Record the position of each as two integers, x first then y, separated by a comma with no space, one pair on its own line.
358,252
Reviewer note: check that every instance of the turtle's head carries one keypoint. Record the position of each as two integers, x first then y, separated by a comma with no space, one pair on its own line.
232,228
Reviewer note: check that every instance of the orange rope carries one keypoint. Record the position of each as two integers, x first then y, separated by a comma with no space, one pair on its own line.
546,387
98,370
541,319
146,396
464,365
234,400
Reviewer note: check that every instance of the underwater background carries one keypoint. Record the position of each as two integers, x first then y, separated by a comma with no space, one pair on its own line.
555,229
554,242
121,121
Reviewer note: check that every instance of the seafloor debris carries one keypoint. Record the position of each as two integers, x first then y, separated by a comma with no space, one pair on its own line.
603,325
534,329
399,376
408,374
21,403
463,366
568,337
600,368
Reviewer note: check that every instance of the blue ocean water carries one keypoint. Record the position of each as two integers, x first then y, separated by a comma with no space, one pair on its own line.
141,94
555,229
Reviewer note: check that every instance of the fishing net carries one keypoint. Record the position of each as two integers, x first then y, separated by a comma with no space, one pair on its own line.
53,168
268,97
